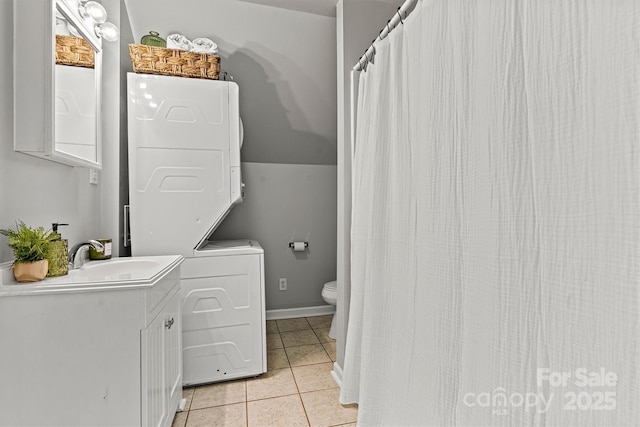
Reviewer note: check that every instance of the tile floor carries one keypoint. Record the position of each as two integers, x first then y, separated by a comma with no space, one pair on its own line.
297,390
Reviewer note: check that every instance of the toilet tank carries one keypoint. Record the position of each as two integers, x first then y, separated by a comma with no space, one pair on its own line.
184,160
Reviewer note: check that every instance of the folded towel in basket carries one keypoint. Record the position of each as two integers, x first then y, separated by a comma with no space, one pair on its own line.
178,41
204,45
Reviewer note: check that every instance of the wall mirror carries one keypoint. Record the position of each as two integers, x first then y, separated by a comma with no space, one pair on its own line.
57,81
77,86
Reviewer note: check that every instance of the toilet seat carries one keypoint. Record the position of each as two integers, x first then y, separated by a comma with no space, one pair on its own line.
331,286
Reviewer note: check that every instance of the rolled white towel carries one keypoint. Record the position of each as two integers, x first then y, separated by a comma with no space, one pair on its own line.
178,41
203,45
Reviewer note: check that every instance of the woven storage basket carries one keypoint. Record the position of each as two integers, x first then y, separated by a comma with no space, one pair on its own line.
71,50
173,62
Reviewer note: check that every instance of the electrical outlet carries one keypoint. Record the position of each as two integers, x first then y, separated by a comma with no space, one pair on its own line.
283,284
93,176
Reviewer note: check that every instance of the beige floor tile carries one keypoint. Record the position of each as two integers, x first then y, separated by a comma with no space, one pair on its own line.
278,382
187,393
219,416
323,408
277,359
272,328
295,338
219,394
314,377
320,321
330,347
277,412
288,325
274,341
180,419
307,355
323,335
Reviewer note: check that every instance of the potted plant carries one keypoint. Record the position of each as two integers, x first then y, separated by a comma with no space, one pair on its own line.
31,248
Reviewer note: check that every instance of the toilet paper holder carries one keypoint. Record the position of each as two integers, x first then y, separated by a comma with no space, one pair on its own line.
293,244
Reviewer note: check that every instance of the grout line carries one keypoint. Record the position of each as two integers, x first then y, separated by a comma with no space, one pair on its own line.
304,408
246,404
273,397
295,380
287,356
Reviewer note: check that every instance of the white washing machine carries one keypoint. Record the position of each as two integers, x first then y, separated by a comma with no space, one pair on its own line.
223,324
184,178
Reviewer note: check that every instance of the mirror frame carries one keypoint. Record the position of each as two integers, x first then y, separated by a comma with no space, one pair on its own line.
34,79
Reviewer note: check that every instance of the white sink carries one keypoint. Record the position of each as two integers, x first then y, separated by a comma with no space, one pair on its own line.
113,270
119,268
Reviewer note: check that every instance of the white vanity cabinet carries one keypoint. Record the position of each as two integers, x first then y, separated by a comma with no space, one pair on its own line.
105,353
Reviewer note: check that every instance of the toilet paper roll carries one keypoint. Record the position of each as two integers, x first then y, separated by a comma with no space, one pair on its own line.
299,246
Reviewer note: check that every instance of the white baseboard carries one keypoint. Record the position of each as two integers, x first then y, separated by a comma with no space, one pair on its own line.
290,313
337,374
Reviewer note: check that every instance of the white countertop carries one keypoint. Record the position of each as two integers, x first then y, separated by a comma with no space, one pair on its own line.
115,273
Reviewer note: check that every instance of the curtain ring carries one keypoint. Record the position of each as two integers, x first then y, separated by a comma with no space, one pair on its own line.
388,29
400,16
373,53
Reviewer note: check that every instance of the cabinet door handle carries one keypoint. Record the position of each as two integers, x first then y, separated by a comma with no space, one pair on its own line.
169,323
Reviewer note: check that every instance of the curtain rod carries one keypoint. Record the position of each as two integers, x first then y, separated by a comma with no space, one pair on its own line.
391,24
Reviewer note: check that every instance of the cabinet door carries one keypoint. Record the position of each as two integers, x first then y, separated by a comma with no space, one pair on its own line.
173,353
162,365
154,391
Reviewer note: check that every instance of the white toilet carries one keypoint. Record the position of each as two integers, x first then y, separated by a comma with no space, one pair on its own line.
330,296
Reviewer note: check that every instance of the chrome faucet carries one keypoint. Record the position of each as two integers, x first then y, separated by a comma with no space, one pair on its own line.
76,248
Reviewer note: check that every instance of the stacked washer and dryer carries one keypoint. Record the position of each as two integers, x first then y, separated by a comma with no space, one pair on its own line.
185,137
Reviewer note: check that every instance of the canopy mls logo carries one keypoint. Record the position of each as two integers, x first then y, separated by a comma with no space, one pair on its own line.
590,391
499,400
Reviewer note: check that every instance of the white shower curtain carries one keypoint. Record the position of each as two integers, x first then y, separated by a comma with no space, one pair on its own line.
496,218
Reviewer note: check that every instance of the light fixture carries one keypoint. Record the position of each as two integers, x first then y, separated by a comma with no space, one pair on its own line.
94,11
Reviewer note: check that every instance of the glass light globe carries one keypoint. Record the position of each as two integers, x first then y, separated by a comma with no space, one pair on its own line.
107,31
93,10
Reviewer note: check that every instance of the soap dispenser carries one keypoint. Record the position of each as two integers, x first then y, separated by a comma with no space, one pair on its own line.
59,256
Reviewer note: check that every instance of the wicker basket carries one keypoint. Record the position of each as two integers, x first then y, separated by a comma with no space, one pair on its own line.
173,62
71,50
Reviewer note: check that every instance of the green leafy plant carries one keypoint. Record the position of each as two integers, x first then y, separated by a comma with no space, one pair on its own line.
29,244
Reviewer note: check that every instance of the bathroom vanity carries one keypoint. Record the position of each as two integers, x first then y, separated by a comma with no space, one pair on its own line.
101,346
